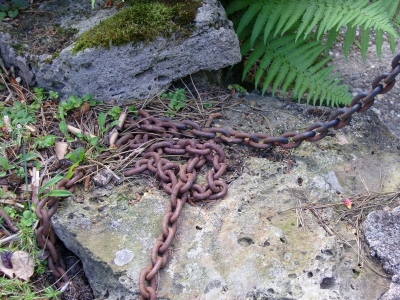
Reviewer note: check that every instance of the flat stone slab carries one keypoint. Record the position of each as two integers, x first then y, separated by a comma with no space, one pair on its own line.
253,244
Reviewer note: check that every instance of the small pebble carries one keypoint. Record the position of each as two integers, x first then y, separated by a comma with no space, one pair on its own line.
102,178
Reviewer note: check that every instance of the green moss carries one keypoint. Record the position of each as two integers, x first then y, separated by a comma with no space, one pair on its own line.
140,21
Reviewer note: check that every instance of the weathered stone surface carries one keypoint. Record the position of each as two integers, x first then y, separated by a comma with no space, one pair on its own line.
250,244
132,71
382,232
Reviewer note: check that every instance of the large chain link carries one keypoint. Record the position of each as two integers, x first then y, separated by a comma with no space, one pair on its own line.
183,139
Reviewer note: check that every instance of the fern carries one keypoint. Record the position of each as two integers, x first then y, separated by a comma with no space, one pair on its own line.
284,41
287,60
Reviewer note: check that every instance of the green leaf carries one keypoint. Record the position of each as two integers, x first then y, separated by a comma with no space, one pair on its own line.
29,156
93,141
63,127
71,170
87,98
4,7
51,182
113,123
59,193
350,34
20,4
12,13
27,214
101,119
365,34
4,163
3,14
2,174
53,95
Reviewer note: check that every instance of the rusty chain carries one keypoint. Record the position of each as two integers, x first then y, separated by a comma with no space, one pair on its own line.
183,139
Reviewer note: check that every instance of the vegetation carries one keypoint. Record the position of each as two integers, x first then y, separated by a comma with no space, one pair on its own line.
177,101
11,8
285,43
141,21
28,137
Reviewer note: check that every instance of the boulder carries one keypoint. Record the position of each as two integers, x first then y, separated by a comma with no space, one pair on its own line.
260,241
137,70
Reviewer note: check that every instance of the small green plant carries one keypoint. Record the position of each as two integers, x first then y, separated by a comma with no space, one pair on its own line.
5,166
115,112
133,109
101,120
77,156
11,8
53,95
208,104
21,114
10,211
44,141
39,93
237,88
53,192
177,101
17,289
28,218
74,102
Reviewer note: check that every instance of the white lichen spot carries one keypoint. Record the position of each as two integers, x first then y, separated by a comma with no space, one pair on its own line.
123,257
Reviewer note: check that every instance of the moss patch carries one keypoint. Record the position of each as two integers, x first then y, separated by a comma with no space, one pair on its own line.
141,21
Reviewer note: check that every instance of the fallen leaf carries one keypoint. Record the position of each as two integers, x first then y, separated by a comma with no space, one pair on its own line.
6,259
7,271
23,265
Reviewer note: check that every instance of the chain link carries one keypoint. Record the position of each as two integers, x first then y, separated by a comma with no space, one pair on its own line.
184,139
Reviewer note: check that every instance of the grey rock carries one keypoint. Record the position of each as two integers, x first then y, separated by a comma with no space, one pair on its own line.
382,232
253,244
132,71
393,293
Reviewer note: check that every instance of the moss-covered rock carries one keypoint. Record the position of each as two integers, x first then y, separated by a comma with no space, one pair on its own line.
141,21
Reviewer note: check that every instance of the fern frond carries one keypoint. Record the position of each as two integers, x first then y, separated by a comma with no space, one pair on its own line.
260,22
254,56
238,5
291,14
365,34
283,40
280,77
331,39
248,16
348,40
392,43
307,17
318,15
379,42
271,73
284,61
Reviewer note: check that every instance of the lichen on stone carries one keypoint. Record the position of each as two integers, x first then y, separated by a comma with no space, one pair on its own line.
141,21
